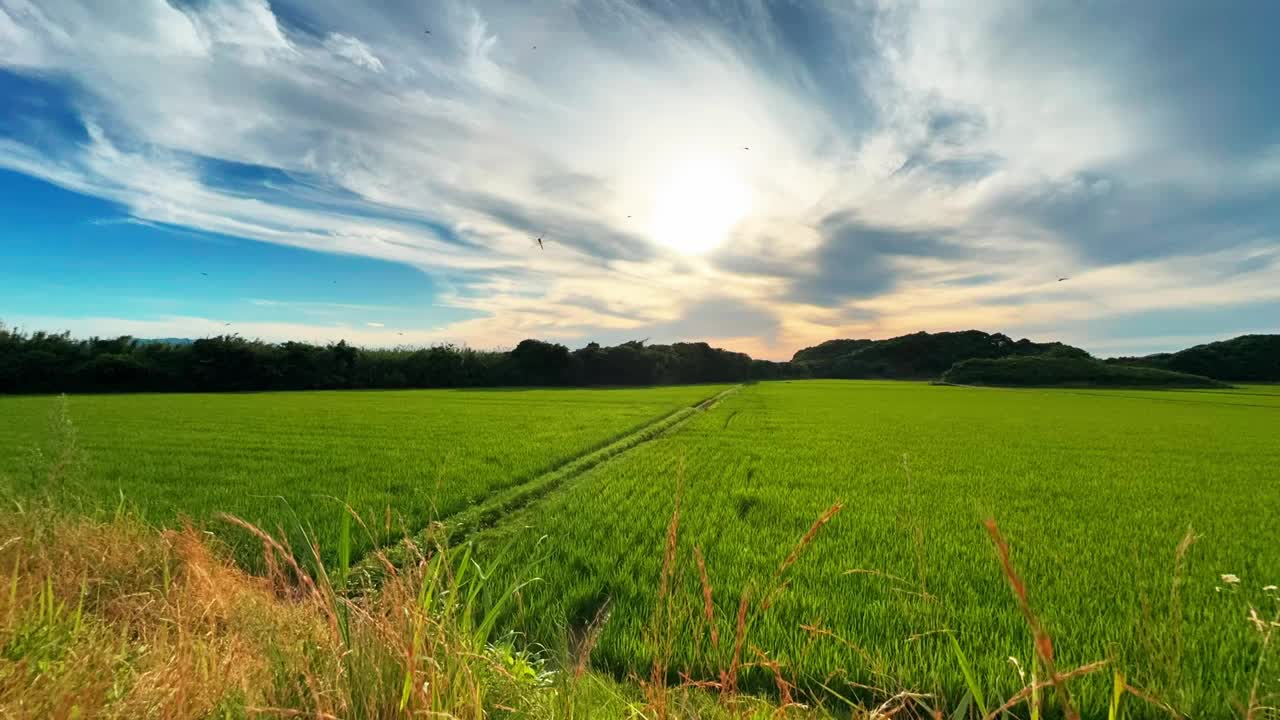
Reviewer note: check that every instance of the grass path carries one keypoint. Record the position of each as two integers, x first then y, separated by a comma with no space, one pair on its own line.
505,503
497,507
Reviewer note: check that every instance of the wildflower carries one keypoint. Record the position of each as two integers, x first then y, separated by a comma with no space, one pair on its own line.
1269,588
1230,579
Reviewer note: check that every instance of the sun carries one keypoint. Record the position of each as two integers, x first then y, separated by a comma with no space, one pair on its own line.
697,205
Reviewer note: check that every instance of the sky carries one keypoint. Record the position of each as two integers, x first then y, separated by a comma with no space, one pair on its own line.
761,174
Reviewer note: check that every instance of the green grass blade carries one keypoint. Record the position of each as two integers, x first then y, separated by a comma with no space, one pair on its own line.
1117,694
962,710
344,541
1035,696
967,671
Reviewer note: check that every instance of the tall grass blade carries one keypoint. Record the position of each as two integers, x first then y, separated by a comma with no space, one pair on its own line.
1118,685
962,710
344,541
1035,696
963,661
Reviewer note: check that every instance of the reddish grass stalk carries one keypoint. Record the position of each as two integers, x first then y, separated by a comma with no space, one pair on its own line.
817,525
1043,643
1028,690
589,640
288,713
729,678
285,552
797,551
663,614
1151,699
708,609
669,556
784,687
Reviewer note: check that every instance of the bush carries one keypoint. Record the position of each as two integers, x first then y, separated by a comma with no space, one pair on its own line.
916,356
1060,371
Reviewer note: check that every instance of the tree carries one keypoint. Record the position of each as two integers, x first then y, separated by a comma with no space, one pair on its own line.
542,363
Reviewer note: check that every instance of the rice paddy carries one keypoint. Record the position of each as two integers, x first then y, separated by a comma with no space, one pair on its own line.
1094,490
290,460
899,589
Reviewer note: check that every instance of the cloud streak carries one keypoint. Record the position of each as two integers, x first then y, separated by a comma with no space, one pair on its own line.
912,165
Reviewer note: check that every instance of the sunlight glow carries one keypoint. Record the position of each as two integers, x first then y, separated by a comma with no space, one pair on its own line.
697,206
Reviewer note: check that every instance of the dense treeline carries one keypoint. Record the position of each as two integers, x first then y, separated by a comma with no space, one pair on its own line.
51,362
43,362
1245,358
919,356
1065,371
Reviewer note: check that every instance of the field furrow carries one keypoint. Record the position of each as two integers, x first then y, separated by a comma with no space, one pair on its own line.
504,505
290,460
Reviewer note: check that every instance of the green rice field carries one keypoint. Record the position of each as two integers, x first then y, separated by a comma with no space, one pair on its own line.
1093,489
289,460
901,589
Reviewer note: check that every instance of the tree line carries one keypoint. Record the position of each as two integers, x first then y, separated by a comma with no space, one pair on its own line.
42,362
1244,358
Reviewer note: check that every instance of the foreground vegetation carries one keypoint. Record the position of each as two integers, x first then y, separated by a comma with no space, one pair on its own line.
109,618
289,460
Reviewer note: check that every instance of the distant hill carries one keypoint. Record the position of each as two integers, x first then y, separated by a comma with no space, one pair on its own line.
1060,371
918,356
1245,358
828,351
163,341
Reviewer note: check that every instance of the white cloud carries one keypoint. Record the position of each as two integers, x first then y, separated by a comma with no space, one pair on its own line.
472,130
352,49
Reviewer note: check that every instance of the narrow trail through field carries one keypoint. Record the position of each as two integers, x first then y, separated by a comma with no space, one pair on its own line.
488,513
461,525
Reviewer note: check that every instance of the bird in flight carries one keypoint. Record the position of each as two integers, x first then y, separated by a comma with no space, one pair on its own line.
226,324
746,148
540,247
1061,279
428,32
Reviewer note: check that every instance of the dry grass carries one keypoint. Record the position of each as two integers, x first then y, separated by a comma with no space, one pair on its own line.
108,618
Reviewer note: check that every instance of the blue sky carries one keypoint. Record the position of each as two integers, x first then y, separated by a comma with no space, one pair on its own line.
763,174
